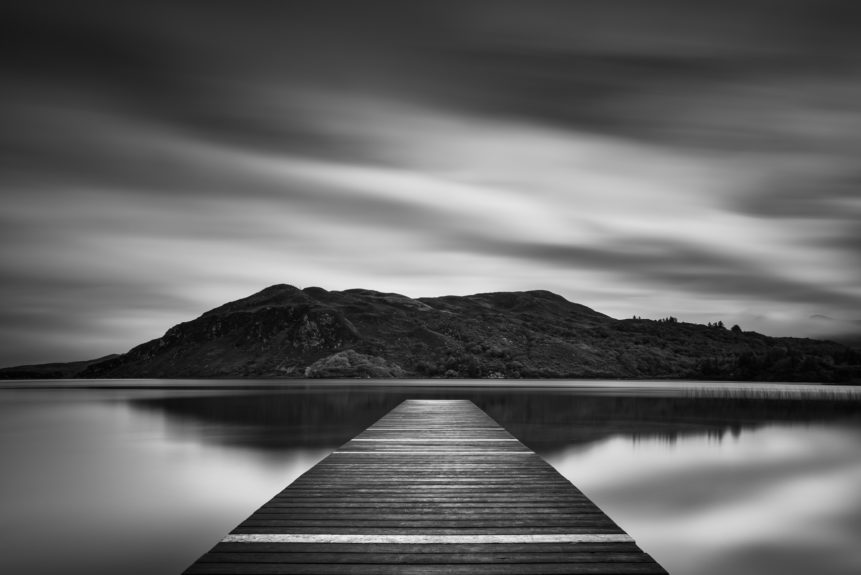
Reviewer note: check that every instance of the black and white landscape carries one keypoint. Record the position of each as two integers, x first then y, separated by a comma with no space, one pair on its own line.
594,263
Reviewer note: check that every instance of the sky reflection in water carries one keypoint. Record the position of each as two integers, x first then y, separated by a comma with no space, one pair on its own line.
779,499
111,488
143,481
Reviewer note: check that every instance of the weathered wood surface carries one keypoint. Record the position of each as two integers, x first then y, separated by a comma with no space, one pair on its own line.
432,487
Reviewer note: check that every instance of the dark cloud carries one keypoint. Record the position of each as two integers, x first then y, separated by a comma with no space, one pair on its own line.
614,67
589,64
830,195
673,265
151,150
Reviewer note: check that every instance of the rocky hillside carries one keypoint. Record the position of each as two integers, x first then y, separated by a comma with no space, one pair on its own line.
283,331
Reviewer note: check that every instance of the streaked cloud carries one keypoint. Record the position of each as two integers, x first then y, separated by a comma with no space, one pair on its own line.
698,161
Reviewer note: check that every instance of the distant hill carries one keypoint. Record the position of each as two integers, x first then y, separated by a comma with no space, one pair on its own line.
283,331
50,370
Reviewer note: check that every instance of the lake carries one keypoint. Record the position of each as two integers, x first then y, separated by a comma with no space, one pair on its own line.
144,476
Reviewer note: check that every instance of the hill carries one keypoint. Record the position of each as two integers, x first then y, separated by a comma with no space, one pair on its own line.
50,370
283,331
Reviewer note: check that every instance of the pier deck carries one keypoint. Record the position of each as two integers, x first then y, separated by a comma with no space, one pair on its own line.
432,487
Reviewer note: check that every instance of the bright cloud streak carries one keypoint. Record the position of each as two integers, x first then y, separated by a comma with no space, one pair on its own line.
151,173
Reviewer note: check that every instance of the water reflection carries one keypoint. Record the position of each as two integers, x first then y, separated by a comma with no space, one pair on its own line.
708,480
110,488
546,420
747,481
778,499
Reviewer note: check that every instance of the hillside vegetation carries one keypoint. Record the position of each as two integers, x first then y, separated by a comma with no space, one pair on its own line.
283,331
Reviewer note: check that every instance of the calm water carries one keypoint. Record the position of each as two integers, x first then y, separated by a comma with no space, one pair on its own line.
740,478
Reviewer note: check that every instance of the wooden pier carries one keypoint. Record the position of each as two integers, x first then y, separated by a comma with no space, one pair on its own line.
433,487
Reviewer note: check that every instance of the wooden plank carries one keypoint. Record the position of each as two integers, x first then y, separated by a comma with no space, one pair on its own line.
435,486
418,569
424,558
451,548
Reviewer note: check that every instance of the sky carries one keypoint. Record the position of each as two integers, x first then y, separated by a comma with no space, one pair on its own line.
693,159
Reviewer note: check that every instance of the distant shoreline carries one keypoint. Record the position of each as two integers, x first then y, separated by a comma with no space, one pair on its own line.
694,388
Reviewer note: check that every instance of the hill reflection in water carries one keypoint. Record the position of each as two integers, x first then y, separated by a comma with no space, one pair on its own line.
547,419
710,479
740,478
